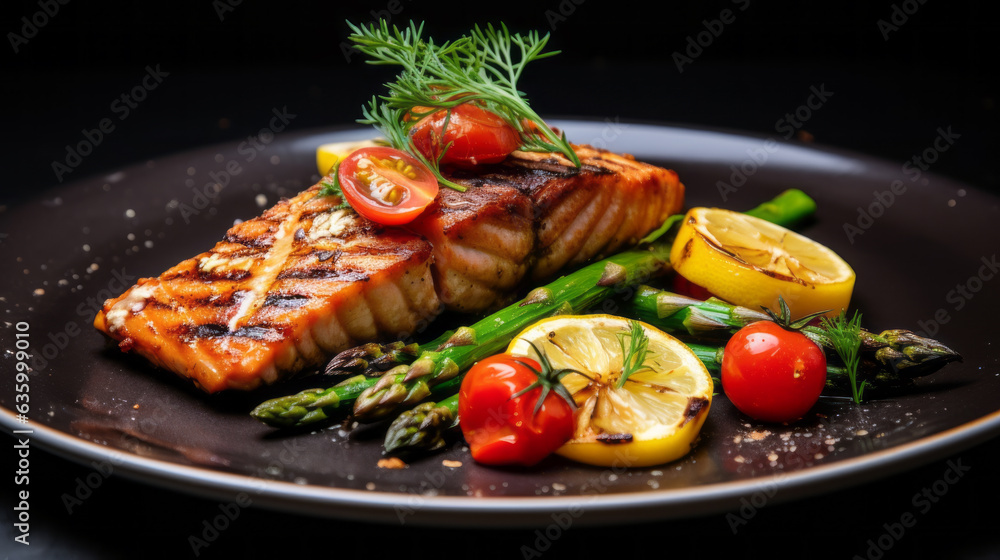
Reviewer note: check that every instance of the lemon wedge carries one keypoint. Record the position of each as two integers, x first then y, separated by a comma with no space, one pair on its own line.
656,413
750,262
327,155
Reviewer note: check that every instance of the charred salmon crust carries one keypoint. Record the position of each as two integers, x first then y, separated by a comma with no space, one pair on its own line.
277,295
283,291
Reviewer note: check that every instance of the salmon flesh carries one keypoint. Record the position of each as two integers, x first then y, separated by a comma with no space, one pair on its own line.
283,291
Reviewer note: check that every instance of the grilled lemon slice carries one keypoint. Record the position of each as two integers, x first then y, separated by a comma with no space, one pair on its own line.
750,262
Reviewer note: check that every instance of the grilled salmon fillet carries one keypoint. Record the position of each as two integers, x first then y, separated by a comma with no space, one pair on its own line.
286,289
279,294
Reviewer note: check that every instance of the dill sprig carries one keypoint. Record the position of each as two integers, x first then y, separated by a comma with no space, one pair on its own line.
634,353
480,67
332,188
846,339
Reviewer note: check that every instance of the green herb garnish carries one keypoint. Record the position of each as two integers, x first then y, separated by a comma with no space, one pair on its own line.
332,188
480,67
845,336
634,359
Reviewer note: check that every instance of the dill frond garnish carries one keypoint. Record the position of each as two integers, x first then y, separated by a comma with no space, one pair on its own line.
845,335
332,188
482,67
634,354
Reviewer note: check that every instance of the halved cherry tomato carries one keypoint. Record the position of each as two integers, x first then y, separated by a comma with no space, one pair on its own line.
386,185
503,427
771,373
476,136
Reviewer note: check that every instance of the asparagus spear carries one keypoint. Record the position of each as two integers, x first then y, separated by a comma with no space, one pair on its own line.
892,356
423,427
312,406
371,359
409,382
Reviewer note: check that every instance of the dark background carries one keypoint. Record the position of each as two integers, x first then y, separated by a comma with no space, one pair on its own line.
938,69
889,96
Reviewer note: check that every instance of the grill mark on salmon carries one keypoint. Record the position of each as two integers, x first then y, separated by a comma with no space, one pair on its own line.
284,290
249,331
285,301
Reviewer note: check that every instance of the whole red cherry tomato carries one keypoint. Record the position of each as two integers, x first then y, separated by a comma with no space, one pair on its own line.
386,185
771,373
505,425
475,134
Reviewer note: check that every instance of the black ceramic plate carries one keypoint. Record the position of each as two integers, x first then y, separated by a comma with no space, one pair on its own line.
925,256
